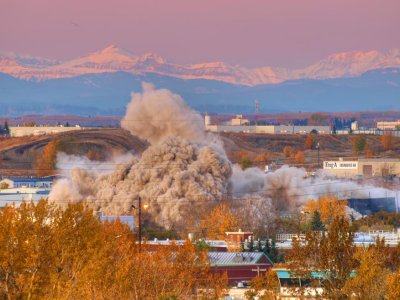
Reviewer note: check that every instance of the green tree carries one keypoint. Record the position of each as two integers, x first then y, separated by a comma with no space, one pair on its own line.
358,144
267,247
251,245
6,128
316,222
273,254
245,163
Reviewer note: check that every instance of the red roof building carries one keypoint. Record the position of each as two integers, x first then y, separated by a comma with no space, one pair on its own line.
240,266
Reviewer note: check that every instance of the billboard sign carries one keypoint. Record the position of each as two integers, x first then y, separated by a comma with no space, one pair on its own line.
340,165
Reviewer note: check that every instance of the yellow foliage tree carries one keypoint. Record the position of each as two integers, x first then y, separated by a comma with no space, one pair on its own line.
264,287
330,208
220,220
393,286
370,280
330,253
49,253
46,162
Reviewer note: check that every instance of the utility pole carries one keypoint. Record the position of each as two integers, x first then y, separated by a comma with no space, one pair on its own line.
318,153
140,224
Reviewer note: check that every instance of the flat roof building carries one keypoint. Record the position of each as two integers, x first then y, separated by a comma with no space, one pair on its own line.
367,167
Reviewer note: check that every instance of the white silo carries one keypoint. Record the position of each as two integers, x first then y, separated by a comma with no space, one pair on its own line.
207,120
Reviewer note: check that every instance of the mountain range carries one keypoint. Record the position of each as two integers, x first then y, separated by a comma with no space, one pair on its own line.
101,84
113,59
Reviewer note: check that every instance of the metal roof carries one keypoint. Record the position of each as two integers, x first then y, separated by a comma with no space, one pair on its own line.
235,258
30,179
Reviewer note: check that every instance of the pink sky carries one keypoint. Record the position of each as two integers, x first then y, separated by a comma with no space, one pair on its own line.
247,32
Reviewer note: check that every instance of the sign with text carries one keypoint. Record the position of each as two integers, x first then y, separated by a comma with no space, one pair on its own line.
341,165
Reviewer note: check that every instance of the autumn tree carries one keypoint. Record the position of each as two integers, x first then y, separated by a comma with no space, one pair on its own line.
220,220
370,278
264,287
299,157
331,254
330,207
287,151
45,163
311,142
264,157
388,141
368,151
52,253
243,158
393,286
93,155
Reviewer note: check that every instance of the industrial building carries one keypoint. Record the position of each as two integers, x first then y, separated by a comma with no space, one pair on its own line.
27,182
388,125
238,124
18,195
368,167
20,131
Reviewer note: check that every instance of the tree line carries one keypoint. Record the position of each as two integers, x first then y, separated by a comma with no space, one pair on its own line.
49,253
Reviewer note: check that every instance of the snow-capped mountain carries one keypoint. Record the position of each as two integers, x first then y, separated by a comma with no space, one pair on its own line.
114,59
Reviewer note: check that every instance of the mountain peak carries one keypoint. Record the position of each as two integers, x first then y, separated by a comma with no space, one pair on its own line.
152,57
353,56
114,50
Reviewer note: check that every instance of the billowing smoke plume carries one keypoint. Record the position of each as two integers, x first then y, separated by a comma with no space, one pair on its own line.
185,171
156,115
182,170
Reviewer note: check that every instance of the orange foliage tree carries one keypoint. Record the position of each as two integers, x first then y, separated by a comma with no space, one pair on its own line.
93,155
330,208
331,254
393,286
365,285
287,151
49,253
388,141
45,163
263,158
220,220
311,142
299,157
368,151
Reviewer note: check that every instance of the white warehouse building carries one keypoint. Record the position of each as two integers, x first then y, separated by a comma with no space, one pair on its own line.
263,129
19,131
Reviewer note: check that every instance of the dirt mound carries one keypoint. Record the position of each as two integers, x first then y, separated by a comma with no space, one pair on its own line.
17,155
